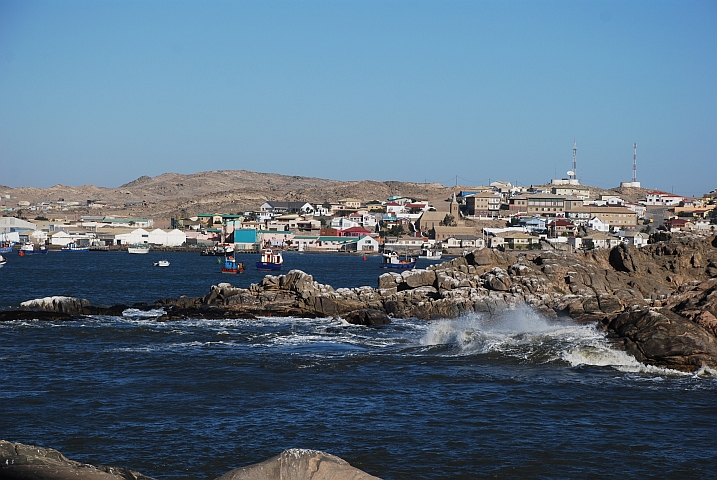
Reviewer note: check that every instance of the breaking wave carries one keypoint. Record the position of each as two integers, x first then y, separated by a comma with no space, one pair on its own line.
526,336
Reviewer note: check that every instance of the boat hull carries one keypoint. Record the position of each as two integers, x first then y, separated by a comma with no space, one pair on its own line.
398,266
269,267
23,253
137,251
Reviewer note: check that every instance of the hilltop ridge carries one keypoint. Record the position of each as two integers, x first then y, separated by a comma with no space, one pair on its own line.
232,191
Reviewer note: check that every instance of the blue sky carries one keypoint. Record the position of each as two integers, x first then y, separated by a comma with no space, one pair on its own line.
103,92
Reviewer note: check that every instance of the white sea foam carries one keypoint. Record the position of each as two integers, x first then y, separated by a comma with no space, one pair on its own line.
525,335
142,314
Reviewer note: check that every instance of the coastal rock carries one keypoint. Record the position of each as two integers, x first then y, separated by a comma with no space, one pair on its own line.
69,305
27,462
367,317
599,285
299,464
666,339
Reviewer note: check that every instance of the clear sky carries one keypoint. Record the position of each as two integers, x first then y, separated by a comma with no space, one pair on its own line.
103,92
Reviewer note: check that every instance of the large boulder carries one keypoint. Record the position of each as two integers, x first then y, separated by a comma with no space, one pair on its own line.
299,464
59,304
666,339
367,317
27,462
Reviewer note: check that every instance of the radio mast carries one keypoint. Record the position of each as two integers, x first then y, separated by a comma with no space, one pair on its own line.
634,163
574,173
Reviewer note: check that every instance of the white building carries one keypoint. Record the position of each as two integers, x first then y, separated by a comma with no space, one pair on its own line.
173,238
663,199
13,224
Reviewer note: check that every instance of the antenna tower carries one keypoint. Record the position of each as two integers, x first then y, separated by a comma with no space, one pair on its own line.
575,155
634,163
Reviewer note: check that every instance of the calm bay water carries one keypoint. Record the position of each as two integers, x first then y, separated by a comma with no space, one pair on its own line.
515,396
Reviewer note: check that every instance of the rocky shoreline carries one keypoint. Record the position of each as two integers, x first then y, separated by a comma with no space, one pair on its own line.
27,462
658,302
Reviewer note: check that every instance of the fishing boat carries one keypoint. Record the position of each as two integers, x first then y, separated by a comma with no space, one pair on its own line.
218,250
393,260
6,247
73,247
31,249
270,260
231,266
3,261
161,263
139,248
430,254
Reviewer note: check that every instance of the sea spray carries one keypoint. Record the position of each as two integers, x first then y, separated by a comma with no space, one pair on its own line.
525,335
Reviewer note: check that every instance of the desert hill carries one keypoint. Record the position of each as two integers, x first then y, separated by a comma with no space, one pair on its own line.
172,194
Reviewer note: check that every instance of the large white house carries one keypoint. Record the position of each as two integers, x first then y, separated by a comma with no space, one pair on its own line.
664,199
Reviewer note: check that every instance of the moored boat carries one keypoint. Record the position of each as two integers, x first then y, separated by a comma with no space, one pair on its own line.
161,263
231,265
270,260
6,247
218,250
3,261
395,261
31,249
139,248
73,247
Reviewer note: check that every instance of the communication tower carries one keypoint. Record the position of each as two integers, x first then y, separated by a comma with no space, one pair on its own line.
634,183
574,172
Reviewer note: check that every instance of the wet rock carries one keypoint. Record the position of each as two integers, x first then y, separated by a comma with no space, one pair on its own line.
666,339
367,317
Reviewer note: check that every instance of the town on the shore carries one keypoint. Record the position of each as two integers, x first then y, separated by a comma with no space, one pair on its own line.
561,215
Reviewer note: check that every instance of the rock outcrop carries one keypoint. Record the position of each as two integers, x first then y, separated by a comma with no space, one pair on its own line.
677,275
298,464
27,462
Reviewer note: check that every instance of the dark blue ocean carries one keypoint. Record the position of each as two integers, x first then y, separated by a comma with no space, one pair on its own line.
514,396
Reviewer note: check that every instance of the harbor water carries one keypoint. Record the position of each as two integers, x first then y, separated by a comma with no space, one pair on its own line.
510,396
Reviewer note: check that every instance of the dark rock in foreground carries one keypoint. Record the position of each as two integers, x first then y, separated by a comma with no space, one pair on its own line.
27,462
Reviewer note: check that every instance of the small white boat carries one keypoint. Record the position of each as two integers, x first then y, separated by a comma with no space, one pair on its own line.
161,263
3,261
138,248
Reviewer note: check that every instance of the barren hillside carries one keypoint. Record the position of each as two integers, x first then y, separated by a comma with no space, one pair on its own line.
172,194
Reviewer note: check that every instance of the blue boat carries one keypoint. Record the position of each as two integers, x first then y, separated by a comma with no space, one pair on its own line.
270,260
30,249
231,265
6,247
392,260
73,247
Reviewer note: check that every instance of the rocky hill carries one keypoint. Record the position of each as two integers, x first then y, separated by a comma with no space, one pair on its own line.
233,191
173,194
